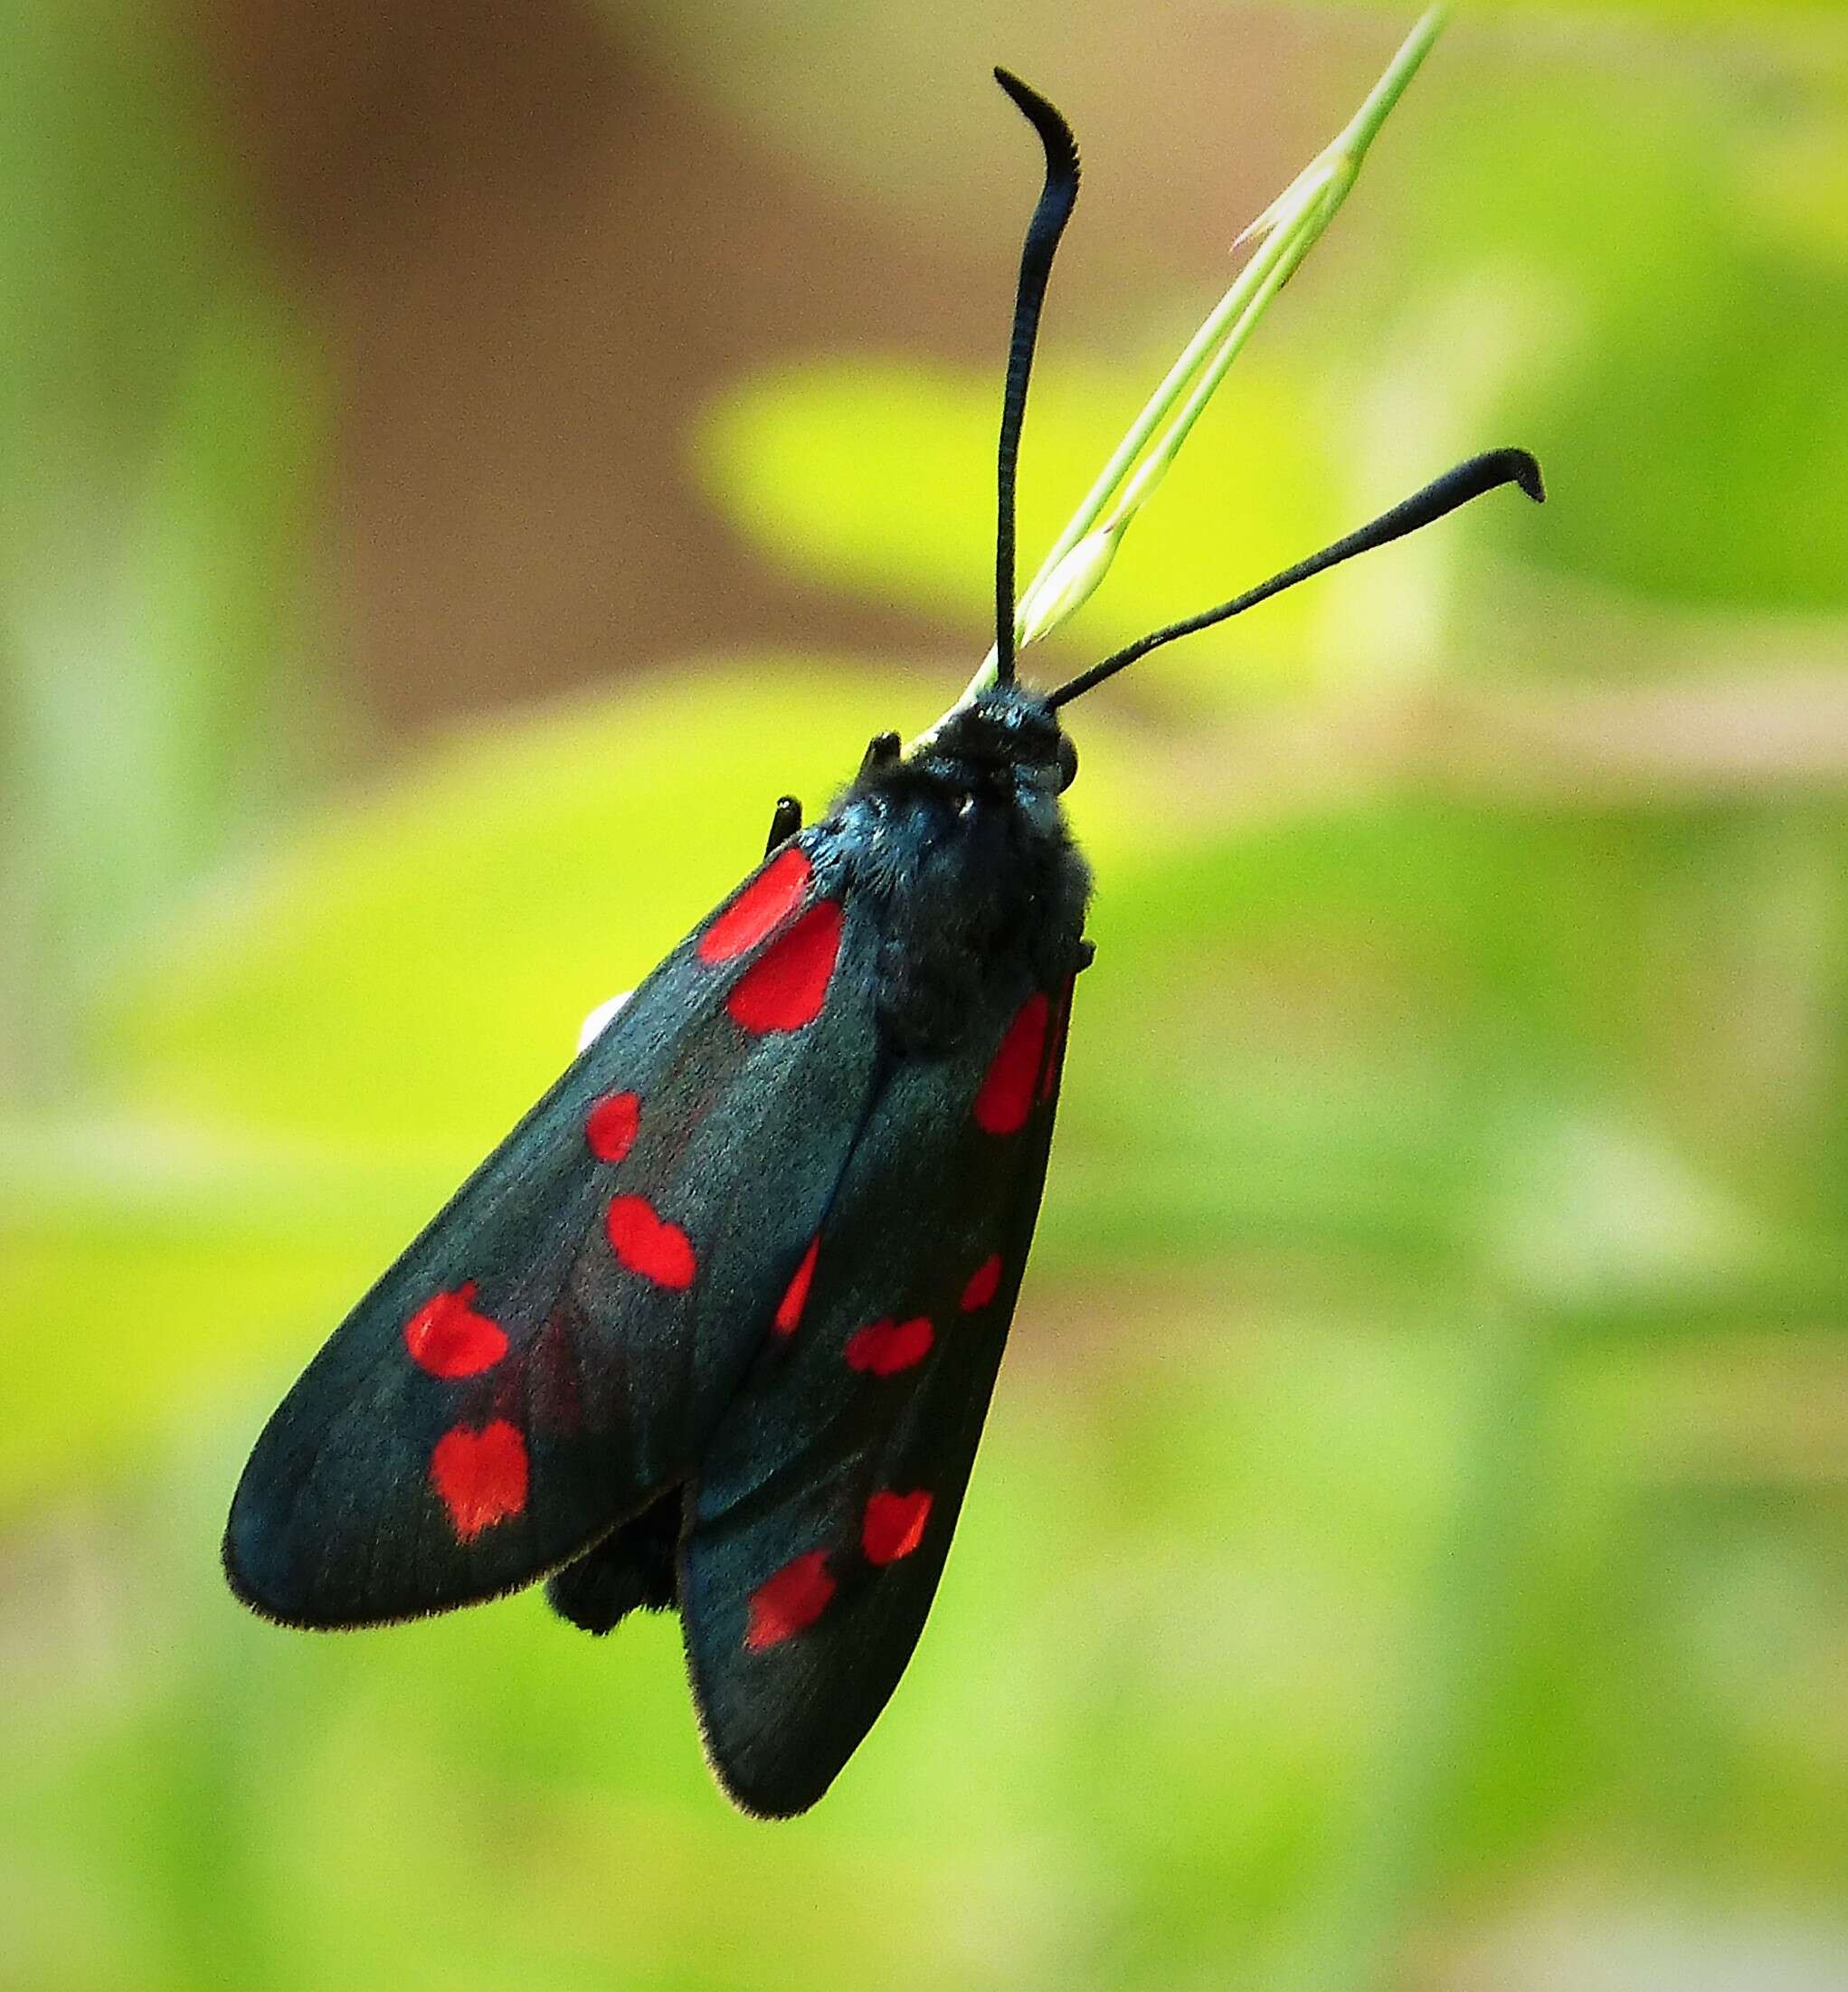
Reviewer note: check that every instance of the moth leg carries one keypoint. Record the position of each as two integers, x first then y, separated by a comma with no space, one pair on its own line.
882,751
785,821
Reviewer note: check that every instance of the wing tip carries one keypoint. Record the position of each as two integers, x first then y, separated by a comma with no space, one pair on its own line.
754,1801
751,1794
248,1589
258,1573
268,1576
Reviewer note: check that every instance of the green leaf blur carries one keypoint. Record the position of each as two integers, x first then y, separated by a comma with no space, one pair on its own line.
1408,1551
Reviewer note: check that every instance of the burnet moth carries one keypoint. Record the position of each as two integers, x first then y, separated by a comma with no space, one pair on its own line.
714,1328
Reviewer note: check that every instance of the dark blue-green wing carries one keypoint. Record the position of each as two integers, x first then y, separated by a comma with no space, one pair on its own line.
555,1349
819,1518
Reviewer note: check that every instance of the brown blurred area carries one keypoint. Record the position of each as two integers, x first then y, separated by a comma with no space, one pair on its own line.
535,254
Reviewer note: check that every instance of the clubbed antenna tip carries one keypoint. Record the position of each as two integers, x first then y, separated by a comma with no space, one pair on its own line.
1487,473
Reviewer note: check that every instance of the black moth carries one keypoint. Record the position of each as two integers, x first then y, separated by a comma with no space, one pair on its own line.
714,1328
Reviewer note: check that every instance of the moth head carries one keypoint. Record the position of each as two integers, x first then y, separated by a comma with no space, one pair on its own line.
1008,736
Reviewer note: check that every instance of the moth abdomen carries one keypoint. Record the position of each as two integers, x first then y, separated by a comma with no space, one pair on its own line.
633,1569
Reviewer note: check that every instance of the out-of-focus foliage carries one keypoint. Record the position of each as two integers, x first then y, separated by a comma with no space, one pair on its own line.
869,95
789,458
1734,394
1411,1547
159,420
1555,332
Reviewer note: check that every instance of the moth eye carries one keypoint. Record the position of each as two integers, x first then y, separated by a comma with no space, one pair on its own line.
1068,764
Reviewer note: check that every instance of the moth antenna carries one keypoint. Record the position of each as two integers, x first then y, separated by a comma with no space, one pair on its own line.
1058,197
1468,480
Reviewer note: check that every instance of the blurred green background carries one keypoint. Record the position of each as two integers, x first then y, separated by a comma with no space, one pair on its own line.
456,468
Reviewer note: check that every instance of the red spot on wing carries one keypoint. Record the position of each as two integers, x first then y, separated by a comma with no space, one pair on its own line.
481,1476
609,1126
788,1309
448,1338
884,1348
648,1244
1061,1025
785,987
1007,1093
768,900
894,1525
982,1283
790,1602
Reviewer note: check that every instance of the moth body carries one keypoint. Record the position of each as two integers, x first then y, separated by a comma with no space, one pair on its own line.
716,1327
